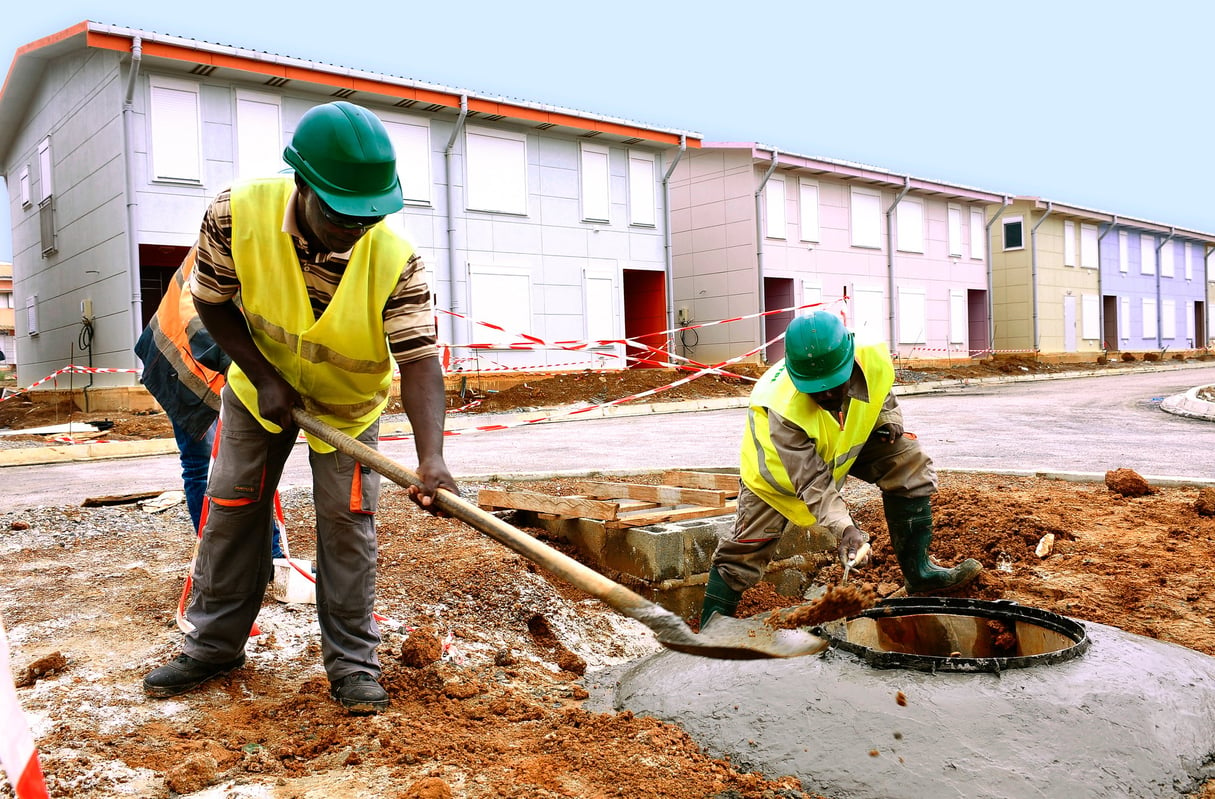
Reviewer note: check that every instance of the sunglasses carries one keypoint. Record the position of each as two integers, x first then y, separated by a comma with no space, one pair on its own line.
347,222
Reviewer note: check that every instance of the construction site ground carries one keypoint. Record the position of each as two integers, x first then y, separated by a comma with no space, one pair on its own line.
489,662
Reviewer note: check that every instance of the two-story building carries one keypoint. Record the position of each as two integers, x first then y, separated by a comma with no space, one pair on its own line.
757,230
542,221
1076,280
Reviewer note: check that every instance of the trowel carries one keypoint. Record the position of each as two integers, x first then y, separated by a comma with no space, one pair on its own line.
723,637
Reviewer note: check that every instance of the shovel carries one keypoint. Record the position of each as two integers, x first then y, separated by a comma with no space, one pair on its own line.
723,637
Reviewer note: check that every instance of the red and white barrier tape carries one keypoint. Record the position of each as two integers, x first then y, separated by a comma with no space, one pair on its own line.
18,754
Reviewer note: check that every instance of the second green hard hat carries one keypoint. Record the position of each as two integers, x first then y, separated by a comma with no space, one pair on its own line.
818,352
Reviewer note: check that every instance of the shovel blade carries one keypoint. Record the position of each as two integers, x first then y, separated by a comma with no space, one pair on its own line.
727,638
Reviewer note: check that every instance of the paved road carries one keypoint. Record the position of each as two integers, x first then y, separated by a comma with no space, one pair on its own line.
1089,424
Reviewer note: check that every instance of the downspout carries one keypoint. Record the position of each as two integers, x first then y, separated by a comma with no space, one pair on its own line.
1206,296
1033,267
667,259
1159,303
1100,283
455,325
759,248
890,258
128,139
991,302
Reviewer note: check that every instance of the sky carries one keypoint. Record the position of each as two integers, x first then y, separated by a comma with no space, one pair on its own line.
1100,104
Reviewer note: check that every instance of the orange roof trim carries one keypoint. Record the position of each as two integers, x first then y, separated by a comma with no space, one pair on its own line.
109,41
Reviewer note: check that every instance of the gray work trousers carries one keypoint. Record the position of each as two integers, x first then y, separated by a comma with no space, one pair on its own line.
234,565
900,468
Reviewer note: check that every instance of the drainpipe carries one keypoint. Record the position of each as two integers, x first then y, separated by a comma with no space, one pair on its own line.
1204,334
1100,283
991,302
1159,303
455,325
667,259
128,136
890,258
1033,266
759,247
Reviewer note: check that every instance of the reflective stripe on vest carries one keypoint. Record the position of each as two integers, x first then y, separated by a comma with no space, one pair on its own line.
340,363
761,468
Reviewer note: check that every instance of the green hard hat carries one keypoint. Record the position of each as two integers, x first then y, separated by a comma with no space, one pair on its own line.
818,352
343,152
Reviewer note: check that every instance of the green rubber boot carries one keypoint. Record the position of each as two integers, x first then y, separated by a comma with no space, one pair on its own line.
910,523
719,598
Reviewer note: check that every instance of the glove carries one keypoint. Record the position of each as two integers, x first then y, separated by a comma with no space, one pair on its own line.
850,542
891,431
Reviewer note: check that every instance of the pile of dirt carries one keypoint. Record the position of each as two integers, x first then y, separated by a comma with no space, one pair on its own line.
493,667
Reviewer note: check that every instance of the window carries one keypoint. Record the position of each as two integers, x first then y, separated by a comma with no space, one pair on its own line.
47,184
642,179
1149,317
955,230
1090,322
31,314
1069,243
23,183
807,208
259,135
1124,318
496,167
868,315
1014,238
176,141
596,184
1166,259
1124,254
600,307
1189,262
774,207
1189,323
1088,247
411,141
502,297
1147,255
866,218
913,315
957,316
1168,319
812,293
978,234
909,217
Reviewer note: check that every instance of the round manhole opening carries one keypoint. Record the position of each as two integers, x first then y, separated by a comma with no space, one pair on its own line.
957,634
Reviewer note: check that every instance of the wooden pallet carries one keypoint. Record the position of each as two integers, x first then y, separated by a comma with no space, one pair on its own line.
682,496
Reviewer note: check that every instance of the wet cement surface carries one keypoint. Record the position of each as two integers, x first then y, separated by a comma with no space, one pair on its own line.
1131,717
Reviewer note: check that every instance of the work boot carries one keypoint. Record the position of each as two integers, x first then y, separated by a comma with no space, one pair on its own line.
910,523
719,598
359,693
185,674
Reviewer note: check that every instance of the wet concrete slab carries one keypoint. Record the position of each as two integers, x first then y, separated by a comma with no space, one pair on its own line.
1131,717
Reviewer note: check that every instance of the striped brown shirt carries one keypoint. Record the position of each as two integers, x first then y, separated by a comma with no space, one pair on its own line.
408,318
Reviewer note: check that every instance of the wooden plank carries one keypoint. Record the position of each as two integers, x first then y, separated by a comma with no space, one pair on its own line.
675,515
711,480
662,494
625,506
118,499
546,503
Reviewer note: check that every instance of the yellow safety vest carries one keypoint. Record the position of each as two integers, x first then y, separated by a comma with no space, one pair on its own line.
761,468
340,363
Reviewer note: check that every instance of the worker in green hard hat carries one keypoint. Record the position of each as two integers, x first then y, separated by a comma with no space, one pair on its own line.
314,300
824,412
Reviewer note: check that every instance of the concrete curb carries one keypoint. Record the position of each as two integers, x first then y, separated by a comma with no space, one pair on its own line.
1189,406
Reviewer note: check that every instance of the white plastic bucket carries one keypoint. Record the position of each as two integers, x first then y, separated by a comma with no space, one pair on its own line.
289,585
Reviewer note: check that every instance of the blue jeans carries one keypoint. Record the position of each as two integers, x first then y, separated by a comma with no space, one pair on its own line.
195,464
